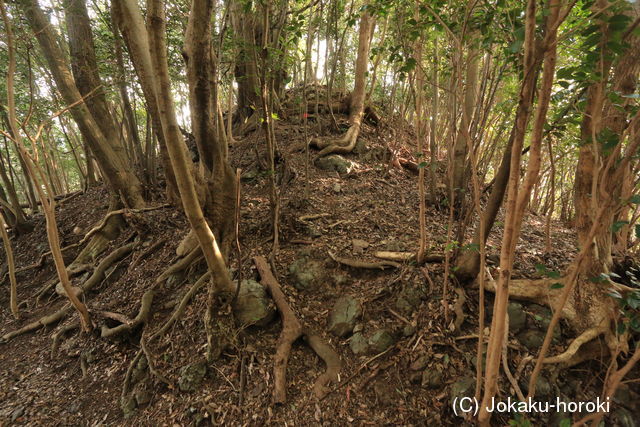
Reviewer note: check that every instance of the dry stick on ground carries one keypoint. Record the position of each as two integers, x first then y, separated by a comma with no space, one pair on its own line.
292,329
365,264
407,256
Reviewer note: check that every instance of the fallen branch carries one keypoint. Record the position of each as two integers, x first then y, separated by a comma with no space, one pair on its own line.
406,256
365,264
292,329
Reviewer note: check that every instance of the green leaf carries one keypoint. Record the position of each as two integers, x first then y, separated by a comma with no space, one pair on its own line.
635,199
638,231
566,422
556,285
422,165
617,226
544,271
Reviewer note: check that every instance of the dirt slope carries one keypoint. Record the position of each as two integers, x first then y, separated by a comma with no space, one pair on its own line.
351,214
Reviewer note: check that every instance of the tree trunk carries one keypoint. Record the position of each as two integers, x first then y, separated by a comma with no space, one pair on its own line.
146,83
246,24
118,175
347,143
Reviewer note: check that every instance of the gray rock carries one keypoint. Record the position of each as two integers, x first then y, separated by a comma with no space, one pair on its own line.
532,339
17,413
394,246
517,317
420,363
337,187
464,387
253,306
344,315
312,230
540,318
191,376
249,175
432,378
543,387
306,273
409,299
380,341
140,370
359,246
408,330
358,344
334,163
141,393
340,279
128,405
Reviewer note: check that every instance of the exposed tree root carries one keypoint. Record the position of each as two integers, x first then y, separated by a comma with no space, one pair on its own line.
95,279
540,292
105,220
107,230
181,264
343,145
292,329
577,343
177,313
365,264
142,316
43,321
143,352
331,359
151,249
58,336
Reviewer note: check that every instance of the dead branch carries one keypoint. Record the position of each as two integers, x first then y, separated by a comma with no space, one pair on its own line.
365,264
104,221
406,256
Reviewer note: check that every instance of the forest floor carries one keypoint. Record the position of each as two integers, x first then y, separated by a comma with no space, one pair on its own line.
410,362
